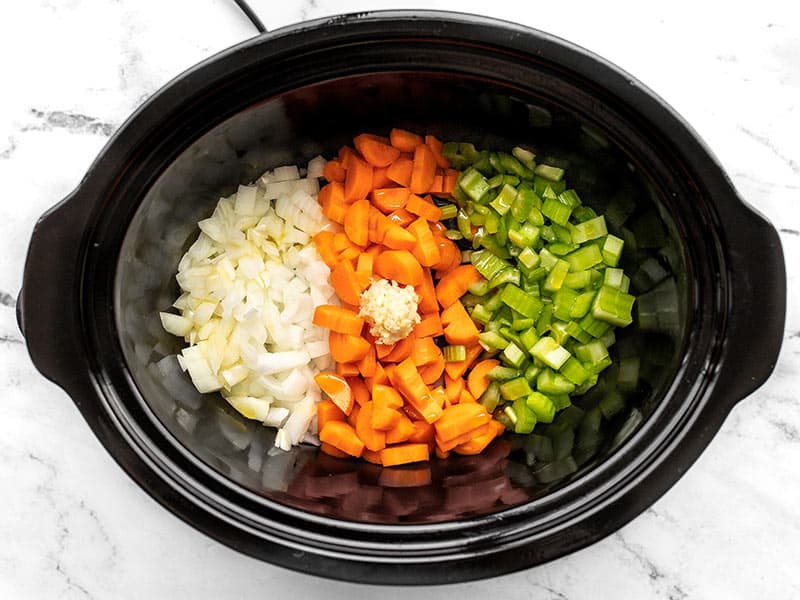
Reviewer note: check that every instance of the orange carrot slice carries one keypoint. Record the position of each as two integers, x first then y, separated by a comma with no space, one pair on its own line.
337,389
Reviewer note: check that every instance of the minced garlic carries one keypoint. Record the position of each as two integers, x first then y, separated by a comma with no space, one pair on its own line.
390,309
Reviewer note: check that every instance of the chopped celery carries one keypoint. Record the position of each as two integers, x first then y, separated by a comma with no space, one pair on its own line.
479,288
449,211
521,301
529,258
509,275
578,279
501,373
529,338
613,306
473,183
481,314
550,382
526,157
617,279
547,260
454,353
515,388
555,278
548,172
582,305
524,324
612,250
574,371
590,230
526,416
491,340
556,211
513,355
550,352
502,202
524,236
491,397
488,264
584,257
542,406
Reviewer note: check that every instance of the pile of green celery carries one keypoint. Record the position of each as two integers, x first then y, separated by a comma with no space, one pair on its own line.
553,292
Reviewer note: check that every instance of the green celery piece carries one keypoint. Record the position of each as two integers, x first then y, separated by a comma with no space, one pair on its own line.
544,320
515,388
561,249
509,275
574,330
503,419
491,340
531,286
548,235
491,397
547,259
612,250
449,211
515,167
531,373
592,352
529,258
480,314
502,234
526,157
584,258
494,302
563,235
582,305
608,338
616,278
550,352
496,181
453,234
520,301
504,199
488,264
524,236
550,382
555,279
494,160
535,217
590,382
613,306
501,373
558,330
542,406
510,335
464,224
583,213
548,172
460,196
578,279
479,288
556,211
589,230
454,353
482,164
493,245
535,275
574,371
528,338
523,324
563,301
595,327
560,401
570,198
473,183
491,222
526,417
513,355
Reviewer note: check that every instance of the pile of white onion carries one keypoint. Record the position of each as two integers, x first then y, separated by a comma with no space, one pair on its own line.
250,285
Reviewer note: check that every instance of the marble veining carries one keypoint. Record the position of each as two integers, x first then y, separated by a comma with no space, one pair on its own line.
73,525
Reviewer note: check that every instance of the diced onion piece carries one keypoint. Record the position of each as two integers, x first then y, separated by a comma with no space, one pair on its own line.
175,324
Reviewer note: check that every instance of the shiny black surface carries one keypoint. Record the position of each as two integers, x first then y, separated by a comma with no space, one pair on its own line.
304,90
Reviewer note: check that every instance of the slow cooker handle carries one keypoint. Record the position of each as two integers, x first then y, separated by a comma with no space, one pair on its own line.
758,299
48,310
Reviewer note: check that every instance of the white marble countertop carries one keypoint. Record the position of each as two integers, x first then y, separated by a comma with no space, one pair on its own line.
73,525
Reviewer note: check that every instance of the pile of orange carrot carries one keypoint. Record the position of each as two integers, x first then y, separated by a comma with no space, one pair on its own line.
397,404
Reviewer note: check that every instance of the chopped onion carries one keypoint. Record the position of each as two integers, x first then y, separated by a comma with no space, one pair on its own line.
250,284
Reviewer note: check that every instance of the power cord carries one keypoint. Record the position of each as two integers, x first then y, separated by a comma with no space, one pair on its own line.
251,15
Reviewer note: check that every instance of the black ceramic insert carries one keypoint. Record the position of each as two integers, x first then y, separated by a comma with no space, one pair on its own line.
106,257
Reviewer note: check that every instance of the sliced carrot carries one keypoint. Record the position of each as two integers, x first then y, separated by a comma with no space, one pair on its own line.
368,364
423,432
386,403
456,283
384,350
356,222
373,439
341,242
454,313
466,397
399,266
461,333
347,369
458,368
398,238
358,180
431,372
341,436
408,477
344,153
347,348
331,199
389,199
364,269
437,185
459,418
477,380
349,255
372,457
450,180
441,453
449,253
337,389
360,391
412,413
478,444
401,431
338,318
436,147
380,178
403,454
374,151
378,224
439,396
426,250
401,217
346,285
453,388
462,438
429,325
333,171
405,141
425,351
353,416
379,377
401,349
332,450
409,383
328,411
422,207
323,242
423,170
400,171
